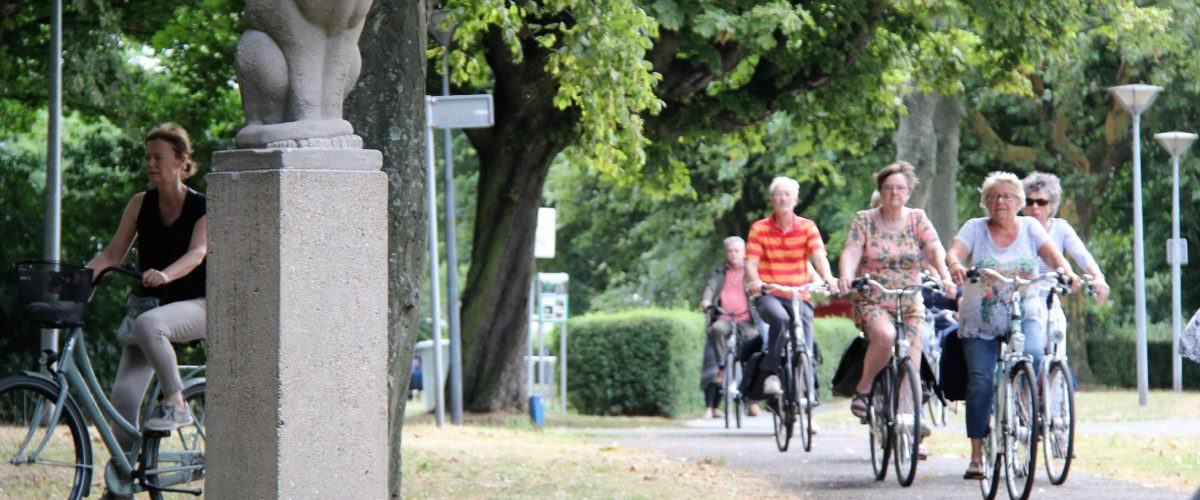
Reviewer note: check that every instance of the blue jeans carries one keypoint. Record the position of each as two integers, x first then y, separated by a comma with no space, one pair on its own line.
981,356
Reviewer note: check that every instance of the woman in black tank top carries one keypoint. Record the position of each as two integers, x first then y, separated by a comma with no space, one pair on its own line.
171,230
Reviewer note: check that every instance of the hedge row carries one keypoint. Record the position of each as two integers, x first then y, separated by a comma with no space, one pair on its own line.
647,361
1114,362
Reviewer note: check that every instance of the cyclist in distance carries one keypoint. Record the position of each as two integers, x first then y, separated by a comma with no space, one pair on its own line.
726,289
170,226
1012,245
778,251
888,243
1043,194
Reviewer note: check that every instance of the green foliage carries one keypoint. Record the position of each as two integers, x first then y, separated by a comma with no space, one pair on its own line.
1113,361
639,362
833,336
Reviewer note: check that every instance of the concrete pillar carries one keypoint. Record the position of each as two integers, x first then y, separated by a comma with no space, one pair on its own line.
297,317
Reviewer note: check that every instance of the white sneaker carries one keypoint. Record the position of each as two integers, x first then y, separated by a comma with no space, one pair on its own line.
771,386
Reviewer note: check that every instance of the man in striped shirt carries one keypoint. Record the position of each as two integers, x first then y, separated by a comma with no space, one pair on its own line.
778,251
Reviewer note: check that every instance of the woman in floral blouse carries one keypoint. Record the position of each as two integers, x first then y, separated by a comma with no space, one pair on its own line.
892,243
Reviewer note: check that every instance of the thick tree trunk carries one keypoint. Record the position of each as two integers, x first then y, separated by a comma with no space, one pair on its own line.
928,138
943,208
515,156
387,109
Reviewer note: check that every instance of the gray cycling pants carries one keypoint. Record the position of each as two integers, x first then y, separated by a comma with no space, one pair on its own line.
154,330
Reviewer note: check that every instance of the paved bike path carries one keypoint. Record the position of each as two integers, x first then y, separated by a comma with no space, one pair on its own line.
839,464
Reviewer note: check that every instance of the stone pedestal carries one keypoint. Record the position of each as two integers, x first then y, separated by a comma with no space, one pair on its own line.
297,325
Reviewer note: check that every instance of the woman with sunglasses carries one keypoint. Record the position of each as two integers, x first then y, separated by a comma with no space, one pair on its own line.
1043,193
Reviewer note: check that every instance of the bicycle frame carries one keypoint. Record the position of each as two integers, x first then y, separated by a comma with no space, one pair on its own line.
73,374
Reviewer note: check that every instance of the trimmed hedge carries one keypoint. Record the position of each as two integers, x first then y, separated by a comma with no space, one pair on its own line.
639,362
1114,362
647,361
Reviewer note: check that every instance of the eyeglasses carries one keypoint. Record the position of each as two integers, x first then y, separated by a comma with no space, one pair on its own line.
894,189
1001,197
782,194
1041,203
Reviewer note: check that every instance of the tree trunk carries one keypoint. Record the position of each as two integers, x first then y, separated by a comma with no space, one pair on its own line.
387,109
916,143
928,139
943,208
514,159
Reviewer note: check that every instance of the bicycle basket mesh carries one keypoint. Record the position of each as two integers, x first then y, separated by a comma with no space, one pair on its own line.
53,294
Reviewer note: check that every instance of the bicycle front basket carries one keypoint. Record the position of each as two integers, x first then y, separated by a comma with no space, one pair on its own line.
53,294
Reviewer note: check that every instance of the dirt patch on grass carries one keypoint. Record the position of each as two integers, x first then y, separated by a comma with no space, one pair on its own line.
478,462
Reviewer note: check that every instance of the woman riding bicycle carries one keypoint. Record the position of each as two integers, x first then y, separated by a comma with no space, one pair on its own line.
1011,245
171,229
1043,193
778,251
888,243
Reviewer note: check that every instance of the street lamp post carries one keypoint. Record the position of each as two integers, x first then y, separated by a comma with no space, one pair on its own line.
1176,143
443,31
1135,99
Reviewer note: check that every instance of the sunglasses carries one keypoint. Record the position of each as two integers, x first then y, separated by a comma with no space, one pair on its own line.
1029,202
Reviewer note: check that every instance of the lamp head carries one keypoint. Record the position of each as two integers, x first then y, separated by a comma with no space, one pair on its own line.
440,26
1137,97
1175,143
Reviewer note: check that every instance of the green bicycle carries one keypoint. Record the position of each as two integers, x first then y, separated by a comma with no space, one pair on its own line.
45,442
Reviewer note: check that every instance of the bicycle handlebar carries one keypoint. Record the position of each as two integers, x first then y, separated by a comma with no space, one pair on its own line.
861,284
797,290
1059,277
117,269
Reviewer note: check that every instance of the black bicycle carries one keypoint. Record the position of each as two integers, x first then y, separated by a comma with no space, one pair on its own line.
797,374
894,412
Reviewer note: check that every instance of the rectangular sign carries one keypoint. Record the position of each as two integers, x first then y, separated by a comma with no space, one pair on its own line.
459,111
543,236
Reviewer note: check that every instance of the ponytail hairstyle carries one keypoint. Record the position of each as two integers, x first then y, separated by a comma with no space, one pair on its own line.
177,137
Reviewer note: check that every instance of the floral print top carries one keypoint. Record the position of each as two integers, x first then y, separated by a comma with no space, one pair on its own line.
892,256
985,311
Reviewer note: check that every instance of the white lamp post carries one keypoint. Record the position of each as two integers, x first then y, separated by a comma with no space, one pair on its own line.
1135,99
1176,143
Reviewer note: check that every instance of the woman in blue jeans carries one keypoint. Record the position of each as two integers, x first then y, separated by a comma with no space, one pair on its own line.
1012,245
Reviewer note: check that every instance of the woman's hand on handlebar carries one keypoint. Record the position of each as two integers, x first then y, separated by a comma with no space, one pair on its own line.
959,273
153,277
843,285
949,289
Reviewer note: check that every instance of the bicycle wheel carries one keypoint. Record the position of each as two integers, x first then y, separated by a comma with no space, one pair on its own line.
906,426
1058,434
176,460
936,413
805,389
990,485
739,404
728,387
879,422
39,458
1020,449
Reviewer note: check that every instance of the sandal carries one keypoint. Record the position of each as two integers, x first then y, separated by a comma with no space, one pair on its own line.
974,471
859,405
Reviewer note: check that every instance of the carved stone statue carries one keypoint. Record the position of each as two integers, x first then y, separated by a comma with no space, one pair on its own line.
296,62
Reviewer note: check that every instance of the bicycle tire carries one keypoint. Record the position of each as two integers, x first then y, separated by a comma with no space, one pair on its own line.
879,427
183,447
1058,428
906,426
805,390
22,399
739,404
990,485
1020,448
727,387
782,416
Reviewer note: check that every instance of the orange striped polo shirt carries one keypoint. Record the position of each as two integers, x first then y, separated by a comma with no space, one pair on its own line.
783,257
